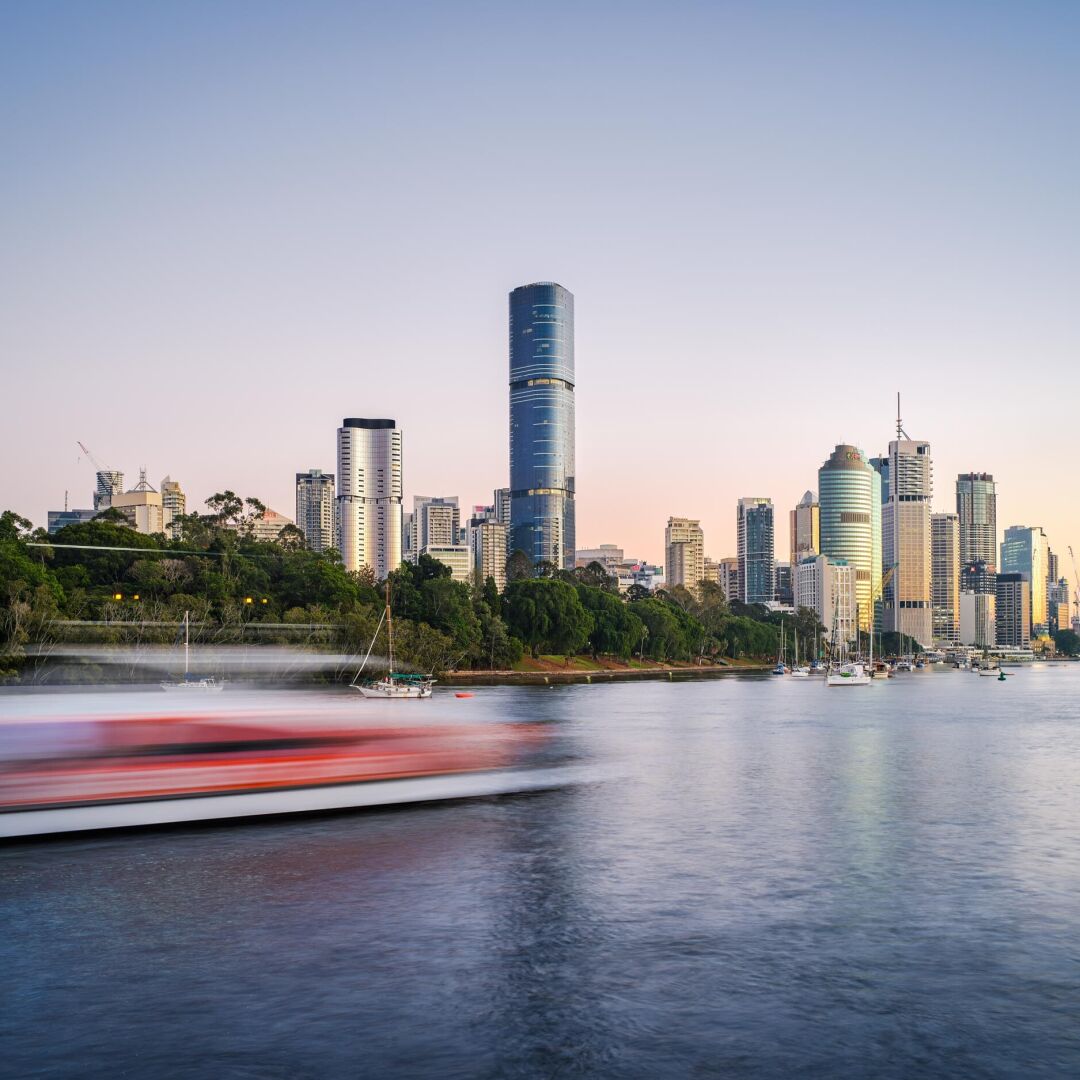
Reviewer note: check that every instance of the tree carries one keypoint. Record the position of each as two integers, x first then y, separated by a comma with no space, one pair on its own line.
616,630
519,567
1067,642
546,614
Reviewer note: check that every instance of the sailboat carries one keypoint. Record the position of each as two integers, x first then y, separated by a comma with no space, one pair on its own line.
842,671
798,672
780,668
191,681
394,684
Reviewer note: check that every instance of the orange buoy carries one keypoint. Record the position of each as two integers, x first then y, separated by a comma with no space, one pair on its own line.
463,694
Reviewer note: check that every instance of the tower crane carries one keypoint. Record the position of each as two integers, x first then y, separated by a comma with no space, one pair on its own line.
1076,592
98,465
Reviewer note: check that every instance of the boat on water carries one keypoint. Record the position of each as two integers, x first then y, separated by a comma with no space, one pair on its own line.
125,763
845,671
798,671
394,684
781,667
192,681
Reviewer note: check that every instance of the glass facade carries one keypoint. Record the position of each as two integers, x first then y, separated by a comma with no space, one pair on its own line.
1024,550
542,423
757,553
849,497
976,505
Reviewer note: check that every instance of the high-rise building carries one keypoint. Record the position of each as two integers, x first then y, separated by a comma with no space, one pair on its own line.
502,505
1013,610
369,494
756,551
109,483
435,521
684,552
849,494
487,545
827,586
1058,606
978,618
907,488
542,466
976,506
173,499
268,525
710,571
977,577
316,509
783,584
805,529
945,577
727,574
141,506
1024,551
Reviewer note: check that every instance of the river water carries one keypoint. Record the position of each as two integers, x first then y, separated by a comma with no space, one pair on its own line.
772,879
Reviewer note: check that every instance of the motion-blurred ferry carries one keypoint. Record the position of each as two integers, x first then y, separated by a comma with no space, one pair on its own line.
119,760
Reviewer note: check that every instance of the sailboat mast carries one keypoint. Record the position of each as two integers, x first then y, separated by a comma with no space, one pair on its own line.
389,628
186,645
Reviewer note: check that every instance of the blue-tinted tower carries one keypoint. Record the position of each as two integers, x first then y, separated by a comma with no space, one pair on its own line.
542,423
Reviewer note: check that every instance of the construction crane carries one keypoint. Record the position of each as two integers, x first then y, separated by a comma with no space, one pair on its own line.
1076,592
98,465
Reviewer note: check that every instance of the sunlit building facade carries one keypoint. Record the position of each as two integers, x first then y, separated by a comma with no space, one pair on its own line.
827,586
369,495
805,521
849,497
684,553
1013,610
905,540
945,577
316,509
542,465
1024,550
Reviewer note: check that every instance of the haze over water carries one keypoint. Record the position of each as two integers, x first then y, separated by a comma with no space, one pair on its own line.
774,879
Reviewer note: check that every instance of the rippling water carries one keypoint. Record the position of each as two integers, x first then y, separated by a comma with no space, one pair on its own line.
775,879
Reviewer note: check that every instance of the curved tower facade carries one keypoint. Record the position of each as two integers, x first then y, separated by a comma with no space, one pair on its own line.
542,423
849,496
369,494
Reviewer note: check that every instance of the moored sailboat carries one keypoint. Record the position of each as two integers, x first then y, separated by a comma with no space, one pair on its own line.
394,684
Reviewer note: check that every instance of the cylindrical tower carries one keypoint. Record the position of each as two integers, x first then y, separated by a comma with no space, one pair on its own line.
542,423
369,494
849,496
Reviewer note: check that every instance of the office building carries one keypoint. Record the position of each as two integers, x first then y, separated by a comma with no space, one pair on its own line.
316,509
727,574
60,519
1012,621
502,505
805,528
1024,550
977,577
978,619
684,553
849,495
756,551
142,507
976,507
783,584
907,488
457,557
542,466
1058,606
369,495
945,577
827,587
487,547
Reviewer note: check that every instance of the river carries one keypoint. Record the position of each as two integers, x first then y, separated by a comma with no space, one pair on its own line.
770,879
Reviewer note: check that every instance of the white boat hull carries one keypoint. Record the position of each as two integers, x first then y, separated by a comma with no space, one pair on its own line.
124,815
389,692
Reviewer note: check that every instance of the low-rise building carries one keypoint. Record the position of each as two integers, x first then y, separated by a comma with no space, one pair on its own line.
455,556
59,519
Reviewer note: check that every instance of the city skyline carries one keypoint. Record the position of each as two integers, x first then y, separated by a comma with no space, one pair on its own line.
176,263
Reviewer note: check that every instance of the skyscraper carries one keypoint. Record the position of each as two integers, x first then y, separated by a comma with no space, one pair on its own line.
976,506
436,521
110,482
756,551
1024,550
849,494
174,504
369,494
542,423
905,538
684,553
805,529
316,509
945,577
1013,610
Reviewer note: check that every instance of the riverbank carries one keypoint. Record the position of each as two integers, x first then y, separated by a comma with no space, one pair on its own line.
551,675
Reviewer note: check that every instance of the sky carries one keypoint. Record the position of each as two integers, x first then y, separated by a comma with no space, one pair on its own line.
225,226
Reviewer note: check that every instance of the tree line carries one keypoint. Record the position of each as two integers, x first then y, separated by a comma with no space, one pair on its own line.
102,578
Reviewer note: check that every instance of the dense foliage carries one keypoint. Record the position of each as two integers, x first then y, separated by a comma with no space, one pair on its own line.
103,579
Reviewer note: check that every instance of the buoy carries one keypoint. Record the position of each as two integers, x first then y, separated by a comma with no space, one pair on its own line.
1001,676
463,694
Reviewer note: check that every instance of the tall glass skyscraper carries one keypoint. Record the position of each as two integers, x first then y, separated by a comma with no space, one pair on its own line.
1024,550
976,505
542,423
756,551
849,497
